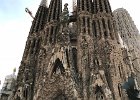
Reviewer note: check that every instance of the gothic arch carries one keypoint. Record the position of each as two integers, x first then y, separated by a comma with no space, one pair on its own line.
58,64
57,67
59,57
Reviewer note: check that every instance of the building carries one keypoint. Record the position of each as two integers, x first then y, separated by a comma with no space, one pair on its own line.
8,87
130,35
73,57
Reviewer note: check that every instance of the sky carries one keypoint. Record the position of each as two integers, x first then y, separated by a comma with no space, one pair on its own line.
15,24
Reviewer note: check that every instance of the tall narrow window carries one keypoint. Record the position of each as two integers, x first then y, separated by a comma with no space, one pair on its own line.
84,22
99,25
74,52
67,54
55,33
51,35
94,28
32,46
88,24
46,36
109,25
25,94
120,72
119,89
103,21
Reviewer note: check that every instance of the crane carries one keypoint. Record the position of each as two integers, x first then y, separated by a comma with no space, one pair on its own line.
29,12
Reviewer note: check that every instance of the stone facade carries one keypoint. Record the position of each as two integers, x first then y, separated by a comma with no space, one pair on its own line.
130,35
77,57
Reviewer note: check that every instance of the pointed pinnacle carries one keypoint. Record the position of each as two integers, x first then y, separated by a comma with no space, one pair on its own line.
44,3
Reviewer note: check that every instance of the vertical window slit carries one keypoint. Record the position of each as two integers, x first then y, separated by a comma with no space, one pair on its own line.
32,46
99,25
94,28
109,25
88,22
46,37
74,52
119,89
103,21
84,22
67,56
51,34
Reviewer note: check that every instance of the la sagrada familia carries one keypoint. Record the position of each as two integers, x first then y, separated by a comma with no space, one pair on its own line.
91,54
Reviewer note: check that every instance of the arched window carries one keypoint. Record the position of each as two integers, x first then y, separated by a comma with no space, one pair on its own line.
58,66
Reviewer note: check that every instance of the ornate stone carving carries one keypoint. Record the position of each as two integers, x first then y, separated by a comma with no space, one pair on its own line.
88,56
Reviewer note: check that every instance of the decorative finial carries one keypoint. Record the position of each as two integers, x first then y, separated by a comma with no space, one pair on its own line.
44,3
65,14
74,5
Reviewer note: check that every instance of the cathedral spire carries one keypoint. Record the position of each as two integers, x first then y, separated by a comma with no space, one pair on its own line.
84,5
44,3
40,17
104,26
73,57
55,9
101,6
54,12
